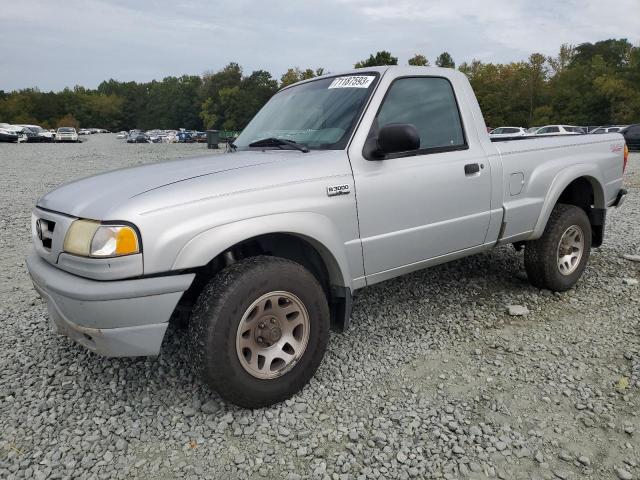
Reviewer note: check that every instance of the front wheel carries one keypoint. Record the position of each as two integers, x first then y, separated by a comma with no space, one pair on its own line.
259,330
558,258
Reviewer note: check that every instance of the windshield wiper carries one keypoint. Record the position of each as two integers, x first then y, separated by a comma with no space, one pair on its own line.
278,142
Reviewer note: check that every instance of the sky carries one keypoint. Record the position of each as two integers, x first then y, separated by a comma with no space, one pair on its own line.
53,44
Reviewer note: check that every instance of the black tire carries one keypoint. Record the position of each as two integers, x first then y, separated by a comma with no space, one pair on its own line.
541,255
217,315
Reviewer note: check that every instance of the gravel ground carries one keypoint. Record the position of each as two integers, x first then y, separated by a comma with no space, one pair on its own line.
434,378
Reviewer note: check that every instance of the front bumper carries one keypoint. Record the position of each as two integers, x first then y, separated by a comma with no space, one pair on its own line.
124,318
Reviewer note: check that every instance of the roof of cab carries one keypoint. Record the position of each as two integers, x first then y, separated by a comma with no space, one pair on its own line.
400,70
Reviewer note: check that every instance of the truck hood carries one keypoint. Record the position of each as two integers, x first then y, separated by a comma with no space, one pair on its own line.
93,197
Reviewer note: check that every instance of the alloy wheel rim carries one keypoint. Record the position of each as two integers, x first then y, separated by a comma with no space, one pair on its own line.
570,250
272,335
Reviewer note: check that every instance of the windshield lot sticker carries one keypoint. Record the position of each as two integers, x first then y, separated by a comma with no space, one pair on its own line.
353,81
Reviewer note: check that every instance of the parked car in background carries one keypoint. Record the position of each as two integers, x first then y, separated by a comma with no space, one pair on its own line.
15,130
559,130
631,135
200,137
122,134
608,129
66,134
184,137
43,135
27,134
8,135
170,137
155,136
137,136
84,131
36,137
507,132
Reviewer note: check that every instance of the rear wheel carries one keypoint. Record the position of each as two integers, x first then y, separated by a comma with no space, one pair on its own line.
558,258
259,330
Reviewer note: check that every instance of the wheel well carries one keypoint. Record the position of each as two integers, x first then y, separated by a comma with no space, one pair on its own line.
578,193
284,245
581,193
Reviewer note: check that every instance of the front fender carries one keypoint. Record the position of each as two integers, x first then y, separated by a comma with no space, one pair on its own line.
317,229
560,182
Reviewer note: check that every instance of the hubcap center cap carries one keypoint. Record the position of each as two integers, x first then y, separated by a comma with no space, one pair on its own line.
274,334
268,331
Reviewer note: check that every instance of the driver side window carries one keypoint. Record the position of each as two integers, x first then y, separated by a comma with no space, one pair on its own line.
428,103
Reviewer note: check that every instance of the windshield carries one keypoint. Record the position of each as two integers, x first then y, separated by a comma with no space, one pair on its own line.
66,130
320,114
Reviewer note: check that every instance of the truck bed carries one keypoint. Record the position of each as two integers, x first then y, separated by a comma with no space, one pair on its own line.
532,167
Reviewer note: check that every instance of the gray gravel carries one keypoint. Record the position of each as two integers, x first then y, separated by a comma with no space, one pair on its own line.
434,379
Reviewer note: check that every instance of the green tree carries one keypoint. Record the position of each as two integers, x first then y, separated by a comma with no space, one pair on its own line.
445,60
67,121
238,104
592,83
290,77
212,111
380,58
294,75
419,60
563,59
537,72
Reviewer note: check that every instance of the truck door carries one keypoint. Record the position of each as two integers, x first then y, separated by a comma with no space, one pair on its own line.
424,204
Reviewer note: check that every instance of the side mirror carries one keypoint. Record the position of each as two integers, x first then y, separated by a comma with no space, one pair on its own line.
392,138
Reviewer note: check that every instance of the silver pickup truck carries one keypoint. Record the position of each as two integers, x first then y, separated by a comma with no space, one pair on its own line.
339,182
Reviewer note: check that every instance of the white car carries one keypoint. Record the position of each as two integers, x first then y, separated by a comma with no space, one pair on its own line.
121,135
84,131
559,130
507,132
607,130
66,134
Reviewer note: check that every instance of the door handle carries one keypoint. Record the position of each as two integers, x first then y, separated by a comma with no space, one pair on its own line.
471,168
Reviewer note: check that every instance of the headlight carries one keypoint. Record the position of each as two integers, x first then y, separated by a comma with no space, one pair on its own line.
89,238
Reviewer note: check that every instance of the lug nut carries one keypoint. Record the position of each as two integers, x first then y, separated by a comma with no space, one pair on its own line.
259,339
261,325
273,320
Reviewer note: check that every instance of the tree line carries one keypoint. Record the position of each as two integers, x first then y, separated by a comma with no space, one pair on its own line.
588,84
